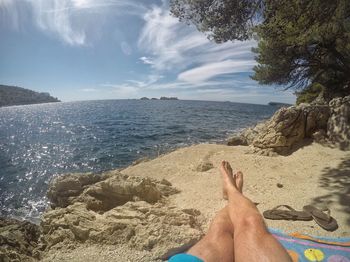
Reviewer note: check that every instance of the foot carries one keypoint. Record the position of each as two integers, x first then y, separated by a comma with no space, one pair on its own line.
231,182
239,181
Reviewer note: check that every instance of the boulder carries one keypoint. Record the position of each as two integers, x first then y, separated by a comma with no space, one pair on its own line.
338,126
238,140
65,188
18,240
159,228
316,118
285,128
122,210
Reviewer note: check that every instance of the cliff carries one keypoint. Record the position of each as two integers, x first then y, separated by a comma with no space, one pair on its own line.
13,95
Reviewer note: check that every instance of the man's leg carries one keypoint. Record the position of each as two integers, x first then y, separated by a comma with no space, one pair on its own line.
217,244
252,241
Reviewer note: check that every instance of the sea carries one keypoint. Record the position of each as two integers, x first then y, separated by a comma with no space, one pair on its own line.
41,142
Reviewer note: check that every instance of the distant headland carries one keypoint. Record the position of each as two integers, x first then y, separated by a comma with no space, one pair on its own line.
278,104
14,95
161,98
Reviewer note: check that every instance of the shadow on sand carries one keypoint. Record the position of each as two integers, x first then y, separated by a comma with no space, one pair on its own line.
337,182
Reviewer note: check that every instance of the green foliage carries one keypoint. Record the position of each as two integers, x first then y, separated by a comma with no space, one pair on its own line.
223,20
300,42
303,42
310,93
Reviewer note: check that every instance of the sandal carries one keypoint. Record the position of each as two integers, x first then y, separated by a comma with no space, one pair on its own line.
290,214
323,219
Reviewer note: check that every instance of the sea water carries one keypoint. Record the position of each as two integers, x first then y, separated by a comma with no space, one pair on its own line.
40,142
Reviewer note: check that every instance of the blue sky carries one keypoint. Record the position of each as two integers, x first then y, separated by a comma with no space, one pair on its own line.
116,49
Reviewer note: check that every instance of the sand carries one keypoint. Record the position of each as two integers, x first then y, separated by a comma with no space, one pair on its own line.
314,174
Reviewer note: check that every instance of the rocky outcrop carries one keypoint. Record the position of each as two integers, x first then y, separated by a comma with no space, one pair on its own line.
118,209
18,240
338,129
290,126
65,188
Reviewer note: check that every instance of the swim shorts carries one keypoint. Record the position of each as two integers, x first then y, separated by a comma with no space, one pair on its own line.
185,258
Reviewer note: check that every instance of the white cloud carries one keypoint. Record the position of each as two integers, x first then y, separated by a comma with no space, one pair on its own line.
89,90
73,21
146,60
207,71
171,45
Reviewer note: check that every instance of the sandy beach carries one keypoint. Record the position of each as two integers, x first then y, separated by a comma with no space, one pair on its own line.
314,174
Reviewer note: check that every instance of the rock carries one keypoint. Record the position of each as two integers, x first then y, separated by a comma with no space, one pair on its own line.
319,136
204,165
122,209
286,127
140,160
237,141
118,190
279,185
316,118
18,240
64,188
338,126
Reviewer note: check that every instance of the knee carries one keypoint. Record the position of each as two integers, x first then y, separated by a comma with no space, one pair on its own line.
253,222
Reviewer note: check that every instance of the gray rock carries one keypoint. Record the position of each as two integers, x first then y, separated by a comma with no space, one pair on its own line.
338,126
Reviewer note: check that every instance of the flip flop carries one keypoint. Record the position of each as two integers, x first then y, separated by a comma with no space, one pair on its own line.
290,214
323,219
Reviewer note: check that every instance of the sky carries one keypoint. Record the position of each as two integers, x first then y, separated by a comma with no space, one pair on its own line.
119,49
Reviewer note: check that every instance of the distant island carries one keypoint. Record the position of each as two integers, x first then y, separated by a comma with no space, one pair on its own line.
278,104
14,95
162,98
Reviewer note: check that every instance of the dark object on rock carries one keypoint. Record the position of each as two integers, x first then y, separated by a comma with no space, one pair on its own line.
279,185
18,240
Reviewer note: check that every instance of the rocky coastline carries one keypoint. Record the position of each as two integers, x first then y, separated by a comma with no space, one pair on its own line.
135,212
292,127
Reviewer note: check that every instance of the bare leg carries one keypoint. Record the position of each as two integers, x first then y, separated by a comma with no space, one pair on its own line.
217,244
252,241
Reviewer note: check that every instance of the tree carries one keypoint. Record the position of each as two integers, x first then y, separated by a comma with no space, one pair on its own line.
223,20
300,42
